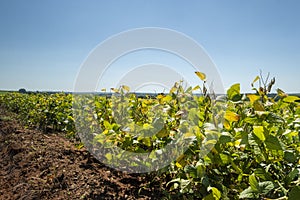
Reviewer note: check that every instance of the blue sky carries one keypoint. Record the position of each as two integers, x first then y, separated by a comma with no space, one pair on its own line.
43,43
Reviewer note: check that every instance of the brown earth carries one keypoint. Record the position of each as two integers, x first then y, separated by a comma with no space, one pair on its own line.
37,165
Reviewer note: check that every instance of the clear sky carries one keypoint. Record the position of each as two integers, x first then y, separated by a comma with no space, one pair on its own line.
43,43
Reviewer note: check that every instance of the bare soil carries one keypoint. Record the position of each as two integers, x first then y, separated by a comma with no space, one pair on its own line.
37,165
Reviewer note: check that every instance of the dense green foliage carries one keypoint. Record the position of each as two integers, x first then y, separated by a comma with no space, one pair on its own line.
41,110
255,155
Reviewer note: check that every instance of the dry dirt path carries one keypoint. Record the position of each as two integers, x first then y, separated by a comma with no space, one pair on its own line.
36,165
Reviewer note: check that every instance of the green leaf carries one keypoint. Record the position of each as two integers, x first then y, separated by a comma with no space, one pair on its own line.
272,143
266,186
191,171
152,155
209,197
145,140
290,156
163,133
236,168
225,138
291,176
291,99
233,93
210,144
216,193
107,125
262,174
259,132
184,185
294,194
188,90
272,117
253,183
225,158
248,194
250,120
200,169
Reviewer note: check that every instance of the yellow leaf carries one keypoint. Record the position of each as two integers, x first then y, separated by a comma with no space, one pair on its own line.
126,88
114,90
160,96
253,97
178,165
188,135
181,161
167,98
180,158
147,126
201,75
226,124
258,106
163,133
108,156
237,143
231,116
291,99
281,93
173,89
256,79
259,132
196,88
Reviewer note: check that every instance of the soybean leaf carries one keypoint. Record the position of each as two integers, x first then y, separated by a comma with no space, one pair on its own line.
262,174
294,194
272,143
256,79
248,194
201,75
291,176
233,93
231,116
253,97
290,99
259,132
266,186
253,183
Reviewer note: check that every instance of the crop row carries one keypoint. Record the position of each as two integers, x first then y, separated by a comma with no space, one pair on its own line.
238,146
